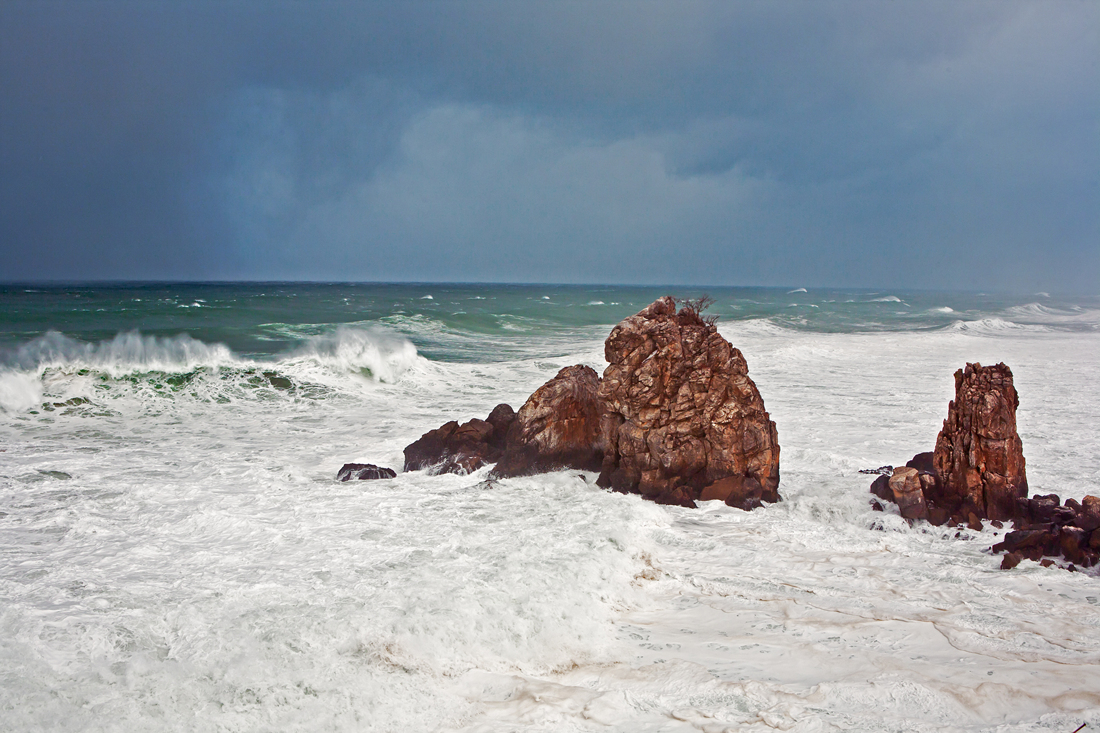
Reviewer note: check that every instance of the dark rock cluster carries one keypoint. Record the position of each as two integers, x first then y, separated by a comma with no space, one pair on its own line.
1045,528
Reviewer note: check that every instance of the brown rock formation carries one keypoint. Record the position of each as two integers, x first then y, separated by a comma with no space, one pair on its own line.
681,415
977,472
979,460
558,427
461,449
905,485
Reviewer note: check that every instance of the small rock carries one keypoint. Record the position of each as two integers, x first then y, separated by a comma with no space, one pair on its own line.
363,472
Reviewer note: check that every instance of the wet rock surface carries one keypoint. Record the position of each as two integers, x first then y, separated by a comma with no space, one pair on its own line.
461,449
363,472
680,416
979,459
558,427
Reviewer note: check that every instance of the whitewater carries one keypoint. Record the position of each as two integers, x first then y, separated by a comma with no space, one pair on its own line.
176,554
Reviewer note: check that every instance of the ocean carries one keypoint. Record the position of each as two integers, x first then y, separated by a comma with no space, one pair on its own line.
176,554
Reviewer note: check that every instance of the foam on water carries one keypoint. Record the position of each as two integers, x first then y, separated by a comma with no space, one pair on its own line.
176,554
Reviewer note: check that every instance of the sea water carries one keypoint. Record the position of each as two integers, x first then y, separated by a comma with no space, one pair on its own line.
176,555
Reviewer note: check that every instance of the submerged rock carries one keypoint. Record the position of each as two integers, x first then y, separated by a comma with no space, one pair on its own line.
558,427
680,413
363,472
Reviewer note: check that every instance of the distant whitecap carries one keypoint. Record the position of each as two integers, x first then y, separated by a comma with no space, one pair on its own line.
796,290
427,297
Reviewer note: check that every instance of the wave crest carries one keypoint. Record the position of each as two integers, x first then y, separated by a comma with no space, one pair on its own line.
993,327
57,367
126,353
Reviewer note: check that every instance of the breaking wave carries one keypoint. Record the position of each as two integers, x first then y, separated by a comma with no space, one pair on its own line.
994,327
53,370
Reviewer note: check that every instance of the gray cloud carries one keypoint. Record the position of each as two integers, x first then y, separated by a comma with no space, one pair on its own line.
939,145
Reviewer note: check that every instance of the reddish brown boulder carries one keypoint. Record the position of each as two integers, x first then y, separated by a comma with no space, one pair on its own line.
905,485
979,459
461,449
558,427
680,411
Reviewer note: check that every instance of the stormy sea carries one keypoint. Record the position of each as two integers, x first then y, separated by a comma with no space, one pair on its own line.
176,554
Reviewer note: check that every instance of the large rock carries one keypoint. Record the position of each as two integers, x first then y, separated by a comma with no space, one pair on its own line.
681,415
461,449
558,427
979,459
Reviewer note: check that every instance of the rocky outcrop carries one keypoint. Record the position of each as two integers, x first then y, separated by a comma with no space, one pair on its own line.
461,449
363,472
675,418
977,474
977,470
979,458
681,419
558,427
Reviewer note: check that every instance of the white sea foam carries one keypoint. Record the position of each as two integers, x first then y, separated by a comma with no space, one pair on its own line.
19,391
1037,313
123,354
187,562
888,299
796,290
994,327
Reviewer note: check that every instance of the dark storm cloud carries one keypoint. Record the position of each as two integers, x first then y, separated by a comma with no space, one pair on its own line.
773,143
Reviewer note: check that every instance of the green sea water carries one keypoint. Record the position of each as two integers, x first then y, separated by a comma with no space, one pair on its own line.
478,322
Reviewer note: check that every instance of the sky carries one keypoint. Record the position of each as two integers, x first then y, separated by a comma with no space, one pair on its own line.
924,145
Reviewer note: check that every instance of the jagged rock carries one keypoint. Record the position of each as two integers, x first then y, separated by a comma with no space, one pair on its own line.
979,460
454,448
558,427
363,472
923,462
680,411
